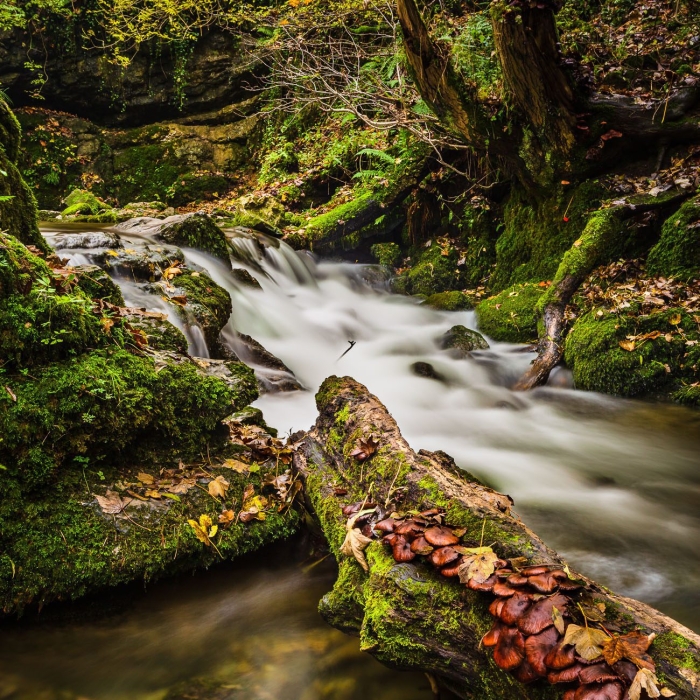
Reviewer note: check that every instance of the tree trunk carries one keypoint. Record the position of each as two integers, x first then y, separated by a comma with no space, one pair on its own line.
407,615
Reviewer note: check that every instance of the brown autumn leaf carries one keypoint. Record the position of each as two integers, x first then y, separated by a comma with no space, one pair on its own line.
179,299
145,478
630,646
218,487
112,502
628,345
152,493
355,542
183,486
12,394
365,449
644,680
479,565
587,640
226,517
236,465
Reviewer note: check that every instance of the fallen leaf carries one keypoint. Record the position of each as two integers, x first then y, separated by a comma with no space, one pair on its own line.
587,640
180,300
628,345
675,319
644,680
226,516
112,502
355,542
204,529
182,486
145,478
11,393
479,566
365,449
667,693
218,487
630,646
558,620
152,493
236,465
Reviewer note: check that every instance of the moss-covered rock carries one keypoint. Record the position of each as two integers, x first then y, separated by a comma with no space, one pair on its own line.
652,366
511,316
84,202
261,212
197,186
143,264
18,213
435,270
460,341
386,253
677,254
194,231
449,301
97,284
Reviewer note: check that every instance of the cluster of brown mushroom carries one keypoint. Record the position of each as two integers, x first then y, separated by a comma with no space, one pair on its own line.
530,637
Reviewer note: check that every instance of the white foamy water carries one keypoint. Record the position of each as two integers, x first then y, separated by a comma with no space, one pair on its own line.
613,485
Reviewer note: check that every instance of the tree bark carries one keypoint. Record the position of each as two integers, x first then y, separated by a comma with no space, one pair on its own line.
407,615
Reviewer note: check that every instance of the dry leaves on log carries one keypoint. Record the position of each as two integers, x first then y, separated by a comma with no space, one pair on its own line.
218,487
365,449
632,646
355,542
478,565
587,640
204,529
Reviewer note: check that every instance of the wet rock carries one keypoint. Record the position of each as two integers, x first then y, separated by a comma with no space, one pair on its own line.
196,230
272,374
252,416
89,239
145,264
97,284
48,214
460,341
425,369
243,277
160,333
261,212
83,202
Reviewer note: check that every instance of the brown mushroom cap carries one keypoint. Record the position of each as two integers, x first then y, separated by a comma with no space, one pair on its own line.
421,546
496,606
561,657
569,694
485,586
386,525
598,673
510,649
600,691
502,589
625,669
539,616
443,556
547,582
514,608
440,536
390,539
431,512
566,675
402,550
452,570
517,580
535,570
525,673
490,639
569,585
538,646
409,528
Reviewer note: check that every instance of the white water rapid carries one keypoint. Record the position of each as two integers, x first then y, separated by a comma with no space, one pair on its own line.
613,485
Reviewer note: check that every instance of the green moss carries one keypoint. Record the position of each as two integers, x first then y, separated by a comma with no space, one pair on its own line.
192,187
434,271
386,253
319,227
83,202
18,213
449,301
511,316
676,650
144,172
536,235
97,284
110,405
677,254
653,368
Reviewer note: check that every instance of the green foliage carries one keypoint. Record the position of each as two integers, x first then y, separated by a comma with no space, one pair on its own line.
511,316
652,368
677,254
83,202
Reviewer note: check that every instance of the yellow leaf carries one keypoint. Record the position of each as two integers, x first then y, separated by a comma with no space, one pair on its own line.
587,640
205,521
199,532
214,529
627,345
237,466
145,478
675,319
218,487
558,619
479,566
152,493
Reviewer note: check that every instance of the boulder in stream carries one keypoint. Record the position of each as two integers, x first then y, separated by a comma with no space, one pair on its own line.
87,239
460,341
143,264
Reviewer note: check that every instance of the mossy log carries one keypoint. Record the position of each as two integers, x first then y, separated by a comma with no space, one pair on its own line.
407,615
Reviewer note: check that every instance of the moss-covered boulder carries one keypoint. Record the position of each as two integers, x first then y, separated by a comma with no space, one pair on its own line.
637,355
84,202
511,316
460,341
449,301
677,254
144,264
261,212
195,231
18,213
435,270
97,284
387,254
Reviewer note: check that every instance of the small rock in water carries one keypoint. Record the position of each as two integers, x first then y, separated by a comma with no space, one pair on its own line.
90,240
425,369
461,341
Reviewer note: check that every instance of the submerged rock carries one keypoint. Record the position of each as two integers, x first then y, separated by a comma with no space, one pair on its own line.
461,341
89,239
425,369
272,374
244,278
144,264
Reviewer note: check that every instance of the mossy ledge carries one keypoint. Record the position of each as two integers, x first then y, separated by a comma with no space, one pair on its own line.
404,614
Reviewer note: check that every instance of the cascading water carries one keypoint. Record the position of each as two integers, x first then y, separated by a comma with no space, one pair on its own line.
613,485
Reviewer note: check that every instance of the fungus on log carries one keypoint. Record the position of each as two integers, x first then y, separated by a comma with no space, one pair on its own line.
519,626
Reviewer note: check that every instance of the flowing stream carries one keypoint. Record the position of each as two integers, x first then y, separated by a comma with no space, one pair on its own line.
613,485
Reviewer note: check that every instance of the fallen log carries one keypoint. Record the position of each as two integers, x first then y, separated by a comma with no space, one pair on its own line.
409,616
